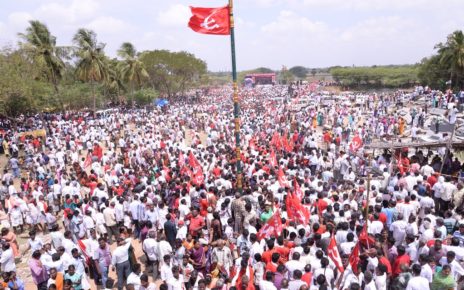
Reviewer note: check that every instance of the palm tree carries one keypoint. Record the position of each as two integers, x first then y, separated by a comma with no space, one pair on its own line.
91,65
114,83
452,54
40,45
132,69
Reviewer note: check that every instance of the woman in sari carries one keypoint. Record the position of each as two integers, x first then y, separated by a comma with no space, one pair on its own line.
10,237
443,280
197,257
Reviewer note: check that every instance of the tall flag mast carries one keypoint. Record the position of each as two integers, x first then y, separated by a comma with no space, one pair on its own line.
220,21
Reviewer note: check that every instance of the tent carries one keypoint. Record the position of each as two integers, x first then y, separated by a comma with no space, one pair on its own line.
161,102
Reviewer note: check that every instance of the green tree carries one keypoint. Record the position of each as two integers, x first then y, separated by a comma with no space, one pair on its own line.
131,68
20,89
313,72
172,73
299,71
91,65
286,76
40,46
452,55
114,83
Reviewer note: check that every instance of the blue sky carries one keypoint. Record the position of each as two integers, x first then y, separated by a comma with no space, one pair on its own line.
270,33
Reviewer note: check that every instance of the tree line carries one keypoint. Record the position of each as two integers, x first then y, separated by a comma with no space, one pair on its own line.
38,75
376,76
445,69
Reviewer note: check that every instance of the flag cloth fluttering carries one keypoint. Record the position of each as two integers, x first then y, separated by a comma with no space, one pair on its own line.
295,210
354,258
273,227
356,143
332,252
210,20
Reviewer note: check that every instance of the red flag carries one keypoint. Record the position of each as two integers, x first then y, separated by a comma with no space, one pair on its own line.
192,160
297,189
281,178
365,239
273,158
181,161
273,227
167,174
288,146
210,20
187,171
354,259
356,143
332,252
199,177
295,210
276,141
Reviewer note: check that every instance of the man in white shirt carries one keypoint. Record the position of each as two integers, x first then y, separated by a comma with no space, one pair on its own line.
417,282
267,283
7,259
296,283
295,263
145,284
165,269
376,226
134,277
176,282
149,247
120,260
426,270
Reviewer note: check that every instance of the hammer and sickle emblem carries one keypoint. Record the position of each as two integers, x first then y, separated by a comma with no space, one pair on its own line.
209,23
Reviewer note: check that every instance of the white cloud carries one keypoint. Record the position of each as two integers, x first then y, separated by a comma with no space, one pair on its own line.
369,5
391,28
288,23
19,19
74,12
175,16
110,25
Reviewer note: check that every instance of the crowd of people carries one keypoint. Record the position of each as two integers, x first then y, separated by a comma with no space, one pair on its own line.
315,210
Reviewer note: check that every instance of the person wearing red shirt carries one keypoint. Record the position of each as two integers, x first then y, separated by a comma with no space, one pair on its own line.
203,204
384,260
196,223
272,265
321,204
217,172
402,259
283,250
308,275
382,215
432,179
266,256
